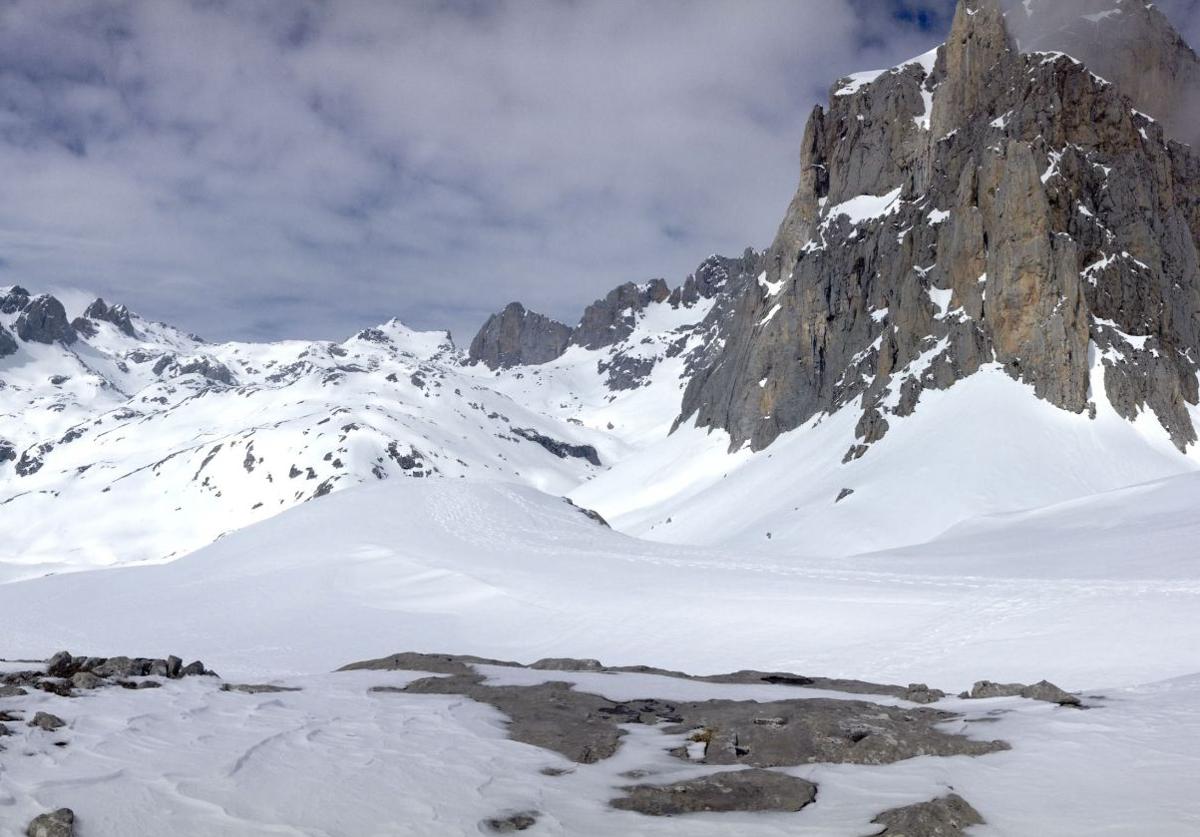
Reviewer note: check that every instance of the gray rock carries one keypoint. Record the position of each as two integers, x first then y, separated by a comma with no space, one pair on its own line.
194,669
1059,210
566,664
174,667
60,823
611,319
62,664
1043,690
86,680
920,693
586,727
562,450
8,690
46,721
739,790
432,663
948,816
548,715
1136,49
257,688
513,823
122,667
118,315
1047,691
13,300
516,337
589,513
44,320
8,344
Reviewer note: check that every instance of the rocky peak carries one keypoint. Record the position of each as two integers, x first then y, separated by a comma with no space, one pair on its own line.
611,319
973,206
1127,42
118,315
13,300
516,337
976,63
44,320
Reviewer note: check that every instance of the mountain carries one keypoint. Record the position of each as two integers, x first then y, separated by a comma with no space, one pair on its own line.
984,297
1132,44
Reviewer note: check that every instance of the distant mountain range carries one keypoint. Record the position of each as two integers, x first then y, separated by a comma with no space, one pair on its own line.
984,297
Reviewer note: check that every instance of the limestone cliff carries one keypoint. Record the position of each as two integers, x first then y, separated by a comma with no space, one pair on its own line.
978,205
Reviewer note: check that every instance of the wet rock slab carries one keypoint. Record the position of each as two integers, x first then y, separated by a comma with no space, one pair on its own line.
735,790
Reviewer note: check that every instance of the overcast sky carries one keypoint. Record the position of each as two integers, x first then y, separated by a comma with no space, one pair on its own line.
299,168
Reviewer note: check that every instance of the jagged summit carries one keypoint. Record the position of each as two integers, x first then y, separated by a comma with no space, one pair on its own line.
1128,42
989,207
518,337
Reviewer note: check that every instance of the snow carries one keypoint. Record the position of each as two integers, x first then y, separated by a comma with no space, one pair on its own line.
502,570
866,207
940,297
772,288
1023,452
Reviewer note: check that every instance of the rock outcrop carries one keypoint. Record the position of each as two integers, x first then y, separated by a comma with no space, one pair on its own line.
516,337
44,320
100,310
8,345
741,790
948,816
1128,43
975,206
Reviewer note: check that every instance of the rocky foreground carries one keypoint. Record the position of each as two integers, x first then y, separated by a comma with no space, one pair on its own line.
738,752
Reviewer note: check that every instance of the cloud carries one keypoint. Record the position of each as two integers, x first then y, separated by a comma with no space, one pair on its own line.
262,169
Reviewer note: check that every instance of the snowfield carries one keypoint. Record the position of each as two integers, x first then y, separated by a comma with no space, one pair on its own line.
506,571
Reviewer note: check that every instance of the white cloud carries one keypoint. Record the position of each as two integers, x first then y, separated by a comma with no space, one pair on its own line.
256,168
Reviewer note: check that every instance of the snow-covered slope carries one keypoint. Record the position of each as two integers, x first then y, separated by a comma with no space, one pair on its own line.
143,446
114,462
509,572
983,447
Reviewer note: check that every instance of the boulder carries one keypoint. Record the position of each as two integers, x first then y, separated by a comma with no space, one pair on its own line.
948,816
86,680
512,823
60,823
62,664
741,790
47,722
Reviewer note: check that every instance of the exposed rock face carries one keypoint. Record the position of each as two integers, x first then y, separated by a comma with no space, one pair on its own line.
975,206
742,790
948,816
13,300
1128,43
44,320
8,345
560,449
610,320
118,315
516,337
